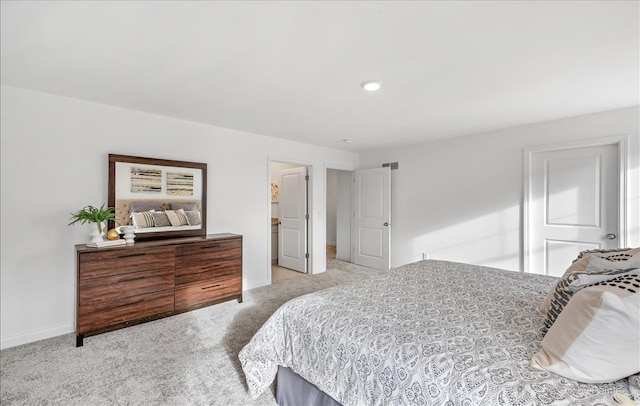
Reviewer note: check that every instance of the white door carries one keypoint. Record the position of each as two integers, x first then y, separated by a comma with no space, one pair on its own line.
372,218
292,234
573,205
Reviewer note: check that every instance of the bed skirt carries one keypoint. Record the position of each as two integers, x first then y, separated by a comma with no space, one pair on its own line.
294,390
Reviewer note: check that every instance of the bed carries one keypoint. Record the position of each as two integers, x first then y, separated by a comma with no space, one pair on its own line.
427,333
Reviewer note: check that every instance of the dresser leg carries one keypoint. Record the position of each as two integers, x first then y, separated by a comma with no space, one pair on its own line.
79,340
240,298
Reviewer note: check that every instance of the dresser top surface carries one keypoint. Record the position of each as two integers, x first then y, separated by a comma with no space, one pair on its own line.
160,243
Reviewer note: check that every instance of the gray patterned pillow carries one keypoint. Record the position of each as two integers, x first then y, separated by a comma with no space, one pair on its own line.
193,217
572,283
160,219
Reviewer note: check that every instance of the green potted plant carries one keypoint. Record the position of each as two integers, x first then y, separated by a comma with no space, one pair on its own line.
91,214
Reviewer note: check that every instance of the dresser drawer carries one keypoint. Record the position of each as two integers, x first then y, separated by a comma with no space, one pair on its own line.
194,294
100,315
211,250
121,286
221,269
93,290
113,262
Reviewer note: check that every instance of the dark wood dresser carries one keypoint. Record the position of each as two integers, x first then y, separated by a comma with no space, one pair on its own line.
126,285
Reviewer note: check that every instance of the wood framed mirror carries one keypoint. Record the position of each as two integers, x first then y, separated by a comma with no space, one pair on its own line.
160,198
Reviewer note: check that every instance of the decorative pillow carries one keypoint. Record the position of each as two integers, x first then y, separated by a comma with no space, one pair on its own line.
614,254
191,206
137,207
596,338
193,217
569,285
583,260
177,218
142,219
582,280
596,263
160,219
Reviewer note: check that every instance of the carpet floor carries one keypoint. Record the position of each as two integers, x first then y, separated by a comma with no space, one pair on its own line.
187,359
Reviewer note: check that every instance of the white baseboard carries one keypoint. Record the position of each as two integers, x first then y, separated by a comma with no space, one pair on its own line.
35,335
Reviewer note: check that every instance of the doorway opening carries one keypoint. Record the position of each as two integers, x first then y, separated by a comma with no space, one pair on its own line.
290,220
338,214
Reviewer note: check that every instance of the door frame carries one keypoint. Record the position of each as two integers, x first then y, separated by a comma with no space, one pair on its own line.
618,140
309,166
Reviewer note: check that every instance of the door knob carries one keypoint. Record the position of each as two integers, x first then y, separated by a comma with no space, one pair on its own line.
386,224
610,236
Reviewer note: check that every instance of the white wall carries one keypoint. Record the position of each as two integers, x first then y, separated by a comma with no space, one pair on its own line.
461,199
457,199
54,161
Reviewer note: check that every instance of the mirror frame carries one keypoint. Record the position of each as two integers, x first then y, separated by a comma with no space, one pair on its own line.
111,197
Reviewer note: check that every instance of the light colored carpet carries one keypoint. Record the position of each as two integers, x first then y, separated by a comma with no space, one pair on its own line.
187,359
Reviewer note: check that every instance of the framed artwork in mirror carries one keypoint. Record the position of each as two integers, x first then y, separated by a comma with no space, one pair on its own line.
159,198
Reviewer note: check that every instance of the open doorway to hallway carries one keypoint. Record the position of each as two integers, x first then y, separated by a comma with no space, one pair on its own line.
338,214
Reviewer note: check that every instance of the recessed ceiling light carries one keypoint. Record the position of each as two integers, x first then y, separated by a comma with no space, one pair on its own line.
371,85
347,140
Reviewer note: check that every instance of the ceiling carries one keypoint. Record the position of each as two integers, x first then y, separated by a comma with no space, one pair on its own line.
293,69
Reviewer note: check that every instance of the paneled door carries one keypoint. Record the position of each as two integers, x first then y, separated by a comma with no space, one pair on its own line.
372,236
573,205
292,232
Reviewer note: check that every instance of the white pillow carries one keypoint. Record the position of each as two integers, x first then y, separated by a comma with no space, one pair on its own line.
142,219
596,338
177,218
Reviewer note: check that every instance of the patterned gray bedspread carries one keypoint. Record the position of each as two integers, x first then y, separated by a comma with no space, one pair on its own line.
427,333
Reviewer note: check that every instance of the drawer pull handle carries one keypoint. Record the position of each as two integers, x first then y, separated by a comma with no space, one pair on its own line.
133,255
132,303
210,246
210,287
131,279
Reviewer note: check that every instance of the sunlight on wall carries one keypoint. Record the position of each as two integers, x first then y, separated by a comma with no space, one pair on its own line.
496,233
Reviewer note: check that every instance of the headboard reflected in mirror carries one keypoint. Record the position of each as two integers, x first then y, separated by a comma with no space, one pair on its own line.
161,198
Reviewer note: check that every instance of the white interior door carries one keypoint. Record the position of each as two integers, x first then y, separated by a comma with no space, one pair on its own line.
292,234
573,205
372,218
